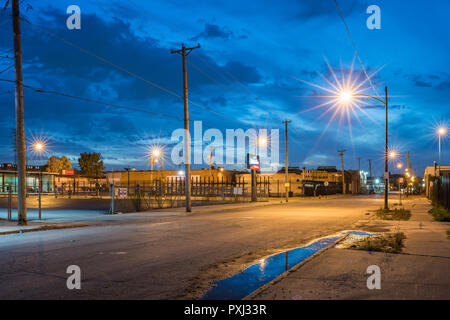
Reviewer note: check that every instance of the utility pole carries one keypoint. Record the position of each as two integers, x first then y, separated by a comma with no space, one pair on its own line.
286,179
370,167
211,148
386,168
20,125
407,164
187,138
359,164
341,152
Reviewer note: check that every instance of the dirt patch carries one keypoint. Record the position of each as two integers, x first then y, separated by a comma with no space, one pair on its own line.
389,243
396,214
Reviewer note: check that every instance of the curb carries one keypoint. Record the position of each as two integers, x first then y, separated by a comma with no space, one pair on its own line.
43,228
238,208
230,209
294,268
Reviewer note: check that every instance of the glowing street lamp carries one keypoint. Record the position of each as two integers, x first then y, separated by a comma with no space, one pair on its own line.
156,154
38,147
260,142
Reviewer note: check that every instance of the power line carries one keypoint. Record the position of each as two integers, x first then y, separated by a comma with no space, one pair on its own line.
142,9
7,68
94,101
123,69
39,90
354,46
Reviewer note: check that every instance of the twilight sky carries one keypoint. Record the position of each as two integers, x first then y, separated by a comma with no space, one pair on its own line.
246,75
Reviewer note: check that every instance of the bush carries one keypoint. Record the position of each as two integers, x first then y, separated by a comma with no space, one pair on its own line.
396,214
439,213
390,243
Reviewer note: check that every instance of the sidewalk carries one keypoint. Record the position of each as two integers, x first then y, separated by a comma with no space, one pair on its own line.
421,271
7,227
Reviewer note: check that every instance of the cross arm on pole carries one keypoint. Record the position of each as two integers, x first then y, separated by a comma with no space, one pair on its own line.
187,50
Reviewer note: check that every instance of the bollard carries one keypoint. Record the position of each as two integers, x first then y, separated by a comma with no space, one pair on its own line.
111,210
39,200
9,203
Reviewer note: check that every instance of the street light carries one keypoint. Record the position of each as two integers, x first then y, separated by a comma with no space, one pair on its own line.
441,132
346,96
39,148
36,147
156,153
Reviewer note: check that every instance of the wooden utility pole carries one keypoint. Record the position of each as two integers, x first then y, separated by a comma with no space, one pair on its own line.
407,163
286,179
386,165
359,164
20,124
187,138
211,148
341,152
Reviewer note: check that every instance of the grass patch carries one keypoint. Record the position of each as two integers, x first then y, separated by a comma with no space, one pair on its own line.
439,213
448,233
396,214
390,243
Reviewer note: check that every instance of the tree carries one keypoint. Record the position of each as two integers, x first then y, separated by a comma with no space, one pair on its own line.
52,164
64,163
90,164
55,164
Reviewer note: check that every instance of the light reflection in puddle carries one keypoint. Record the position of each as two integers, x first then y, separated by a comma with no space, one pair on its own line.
258,274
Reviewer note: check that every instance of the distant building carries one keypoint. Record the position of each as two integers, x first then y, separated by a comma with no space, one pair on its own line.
8,178
142,177
301,181
432,172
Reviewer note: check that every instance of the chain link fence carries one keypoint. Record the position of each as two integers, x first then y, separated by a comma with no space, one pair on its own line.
171,193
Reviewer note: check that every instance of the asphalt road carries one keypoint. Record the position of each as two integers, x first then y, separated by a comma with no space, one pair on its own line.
166,255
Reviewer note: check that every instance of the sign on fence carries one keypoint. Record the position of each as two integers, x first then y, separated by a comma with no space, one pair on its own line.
237,191
121,192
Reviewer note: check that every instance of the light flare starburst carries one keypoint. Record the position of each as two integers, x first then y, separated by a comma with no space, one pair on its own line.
343,96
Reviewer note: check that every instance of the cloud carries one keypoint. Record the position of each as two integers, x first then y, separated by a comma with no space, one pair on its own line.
436,81
214,31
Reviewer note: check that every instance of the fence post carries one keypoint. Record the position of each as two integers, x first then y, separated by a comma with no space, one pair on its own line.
39,200
111,210
138,197
9,203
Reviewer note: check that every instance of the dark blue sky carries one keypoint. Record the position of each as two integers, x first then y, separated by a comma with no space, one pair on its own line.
252,54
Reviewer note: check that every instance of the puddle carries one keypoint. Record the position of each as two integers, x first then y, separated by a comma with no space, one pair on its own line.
242,284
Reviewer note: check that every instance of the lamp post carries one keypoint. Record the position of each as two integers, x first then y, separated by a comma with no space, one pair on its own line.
260,141
346,97
38,147
441,132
